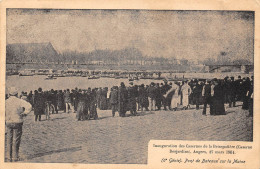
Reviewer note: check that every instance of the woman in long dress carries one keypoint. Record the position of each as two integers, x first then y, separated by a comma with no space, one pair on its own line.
93,106
218,99
185,90
81,107
175,101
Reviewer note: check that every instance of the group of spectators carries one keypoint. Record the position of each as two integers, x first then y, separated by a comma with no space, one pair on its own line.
167,95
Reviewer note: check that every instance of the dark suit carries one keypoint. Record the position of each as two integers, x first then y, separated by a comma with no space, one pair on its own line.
218,101
233,93
39,106
197,91
132,94
207,98
122,101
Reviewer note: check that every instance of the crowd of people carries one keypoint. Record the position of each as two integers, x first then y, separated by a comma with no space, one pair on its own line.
167,95
85,102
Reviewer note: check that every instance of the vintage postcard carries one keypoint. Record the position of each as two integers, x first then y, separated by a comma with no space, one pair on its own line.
138,84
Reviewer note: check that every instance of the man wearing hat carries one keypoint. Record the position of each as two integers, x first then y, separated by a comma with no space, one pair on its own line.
132,95
164,89
238,84
206,93
16,109
122,100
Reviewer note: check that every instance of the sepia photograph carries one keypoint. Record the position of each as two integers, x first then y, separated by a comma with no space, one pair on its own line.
94,86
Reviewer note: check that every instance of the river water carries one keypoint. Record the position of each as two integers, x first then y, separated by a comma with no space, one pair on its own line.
27,83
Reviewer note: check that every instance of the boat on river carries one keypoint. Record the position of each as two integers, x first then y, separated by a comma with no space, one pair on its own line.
93,77
27,72
50,77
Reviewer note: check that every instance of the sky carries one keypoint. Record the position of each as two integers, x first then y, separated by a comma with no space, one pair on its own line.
179,34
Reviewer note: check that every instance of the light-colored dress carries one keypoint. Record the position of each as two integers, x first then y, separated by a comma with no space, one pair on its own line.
176,97
185,89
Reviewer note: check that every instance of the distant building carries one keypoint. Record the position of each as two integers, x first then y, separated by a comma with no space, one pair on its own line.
31,53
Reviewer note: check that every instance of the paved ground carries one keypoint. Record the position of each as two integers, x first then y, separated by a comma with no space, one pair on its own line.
125,140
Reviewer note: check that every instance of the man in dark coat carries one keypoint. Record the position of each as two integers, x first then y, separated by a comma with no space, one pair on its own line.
81,106
39,104
227,91
93,105
250,96
192,85
233,92
238,84
132,94
218,99
245,89
60,100
30,97
197,94
122,100
164,89
143,98
103,99
206,92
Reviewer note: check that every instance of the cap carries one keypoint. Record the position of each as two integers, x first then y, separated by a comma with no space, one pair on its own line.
13,91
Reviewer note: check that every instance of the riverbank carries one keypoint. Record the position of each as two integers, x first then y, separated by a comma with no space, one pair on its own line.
125,140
